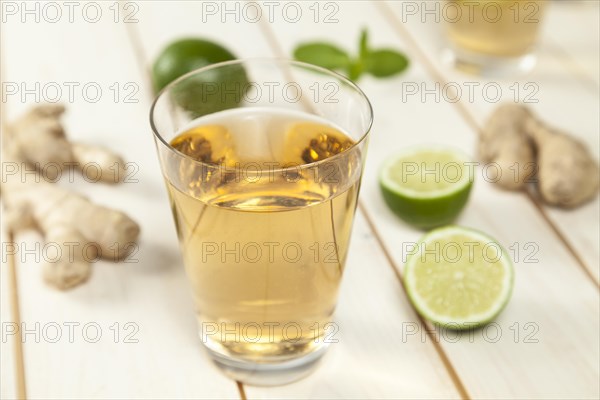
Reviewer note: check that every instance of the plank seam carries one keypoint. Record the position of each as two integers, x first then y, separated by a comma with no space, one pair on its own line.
21,387
560,236
269,36
454,376
570,63
141,59
20,380
465,113
272,42
139,53
241,390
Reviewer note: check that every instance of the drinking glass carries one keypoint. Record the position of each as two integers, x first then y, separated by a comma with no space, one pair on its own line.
493,37
262,160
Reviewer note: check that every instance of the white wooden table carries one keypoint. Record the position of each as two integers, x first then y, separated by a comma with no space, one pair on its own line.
544,345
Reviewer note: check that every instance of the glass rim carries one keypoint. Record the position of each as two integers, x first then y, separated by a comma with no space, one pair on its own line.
275,60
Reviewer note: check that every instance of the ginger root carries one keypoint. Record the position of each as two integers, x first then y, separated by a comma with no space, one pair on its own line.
522,145
502,142
39,139
568,175
80,230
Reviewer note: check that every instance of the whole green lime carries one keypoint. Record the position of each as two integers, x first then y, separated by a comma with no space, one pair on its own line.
203,93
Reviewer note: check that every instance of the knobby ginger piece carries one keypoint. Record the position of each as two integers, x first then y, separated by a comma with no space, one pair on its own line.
38,138
504,142
568,174
521,144
78,228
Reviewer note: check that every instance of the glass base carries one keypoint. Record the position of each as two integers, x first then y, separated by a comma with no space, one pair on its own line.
271,373
487,65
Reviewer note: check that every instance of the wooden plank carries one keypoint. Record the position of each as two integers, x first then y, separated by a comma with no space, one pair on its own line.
489,370
578,48
369,360
10,381
376,356
158,354
544,90
531,293
162,22
530,358
506,368
8,376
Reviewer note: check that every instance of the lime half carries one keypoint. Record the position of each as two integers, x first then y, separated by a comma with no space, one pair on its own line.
427,187
458,277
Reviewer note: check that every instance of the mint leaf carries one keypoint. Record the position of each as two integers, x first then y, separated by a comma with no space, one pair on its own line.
322,54
385,62
363,45
380,63
355,70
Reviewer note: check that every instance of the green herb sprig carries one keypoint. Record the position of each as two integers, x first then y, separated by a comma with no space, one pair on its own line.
381,63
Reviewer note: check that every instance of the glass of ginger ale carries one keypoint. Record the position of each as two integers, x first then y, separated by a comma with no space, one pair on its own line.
262,160
493,37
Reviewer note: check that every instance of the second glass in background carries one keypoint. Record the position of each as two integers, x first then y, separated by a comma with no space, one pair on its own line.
492,37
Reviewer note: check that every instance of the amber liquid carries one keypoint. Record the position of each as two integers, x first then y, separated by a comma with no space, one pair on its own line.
264,249
502,28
